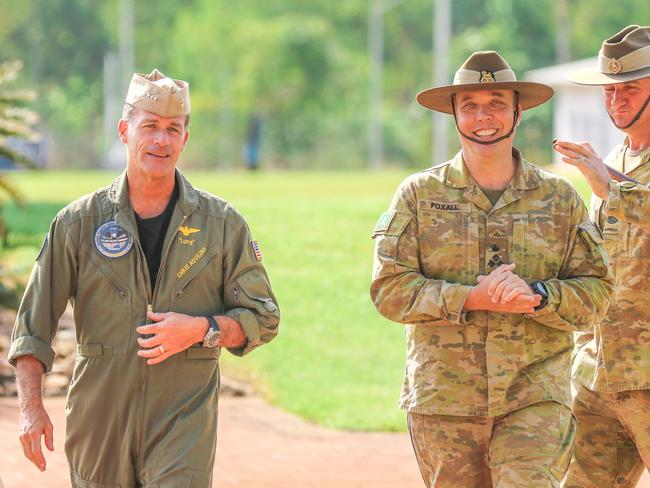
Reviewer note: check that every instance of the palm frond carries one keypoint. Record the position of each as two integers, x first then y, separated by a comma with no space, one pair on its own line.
17,157
9,188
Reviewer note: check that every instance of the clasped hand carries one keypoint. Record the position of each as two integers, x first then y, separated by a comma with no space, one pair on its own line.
502,291
171,333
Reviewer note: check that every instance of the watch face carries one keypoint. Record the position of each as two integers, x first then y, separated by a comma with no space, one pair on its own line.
212,338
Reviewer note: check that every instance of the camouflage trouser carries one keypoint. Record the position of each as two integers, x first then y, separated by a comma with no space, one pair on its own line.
530,447
612,439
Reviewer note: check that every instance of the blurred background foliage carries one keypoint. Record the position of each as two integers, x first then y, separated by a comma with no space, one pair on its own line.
301,67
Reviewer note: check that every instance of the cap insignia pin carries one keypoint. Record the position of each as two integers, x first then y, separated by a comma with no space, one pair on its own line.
615,66
486,77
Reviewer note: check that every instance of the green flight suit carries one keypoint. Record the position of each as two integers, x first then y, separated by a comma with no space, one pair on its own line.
129,424
439,234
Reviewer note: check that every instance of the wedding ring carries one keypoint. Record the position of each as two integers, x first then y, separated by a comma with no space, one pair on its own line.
162,349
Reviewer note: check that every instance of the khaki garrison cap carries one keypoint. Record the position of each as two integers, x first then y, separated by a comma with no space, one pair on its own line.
159,94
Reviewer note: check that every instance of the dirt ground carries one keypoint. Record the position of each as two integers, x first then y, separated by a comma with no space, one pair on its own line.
259,446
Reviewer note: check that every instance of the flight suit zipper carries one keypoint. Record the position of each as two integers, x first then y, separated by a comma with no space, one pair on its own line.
151,296
144,274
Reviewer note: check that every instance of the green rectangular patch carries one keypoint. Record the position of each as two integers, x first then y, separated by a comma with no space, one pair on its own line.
384,221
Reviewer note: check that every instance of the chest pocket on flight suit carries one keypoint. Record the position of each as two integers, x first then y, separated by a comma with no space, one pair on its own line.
198,289
103,308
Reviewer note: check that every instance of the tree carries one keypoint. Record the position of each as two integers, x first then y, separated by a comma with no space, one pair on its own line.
16,122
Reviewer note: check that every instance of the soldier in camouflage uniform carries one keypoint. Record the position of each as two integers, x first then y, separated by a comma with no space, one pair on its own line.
611,370
161,276
492,264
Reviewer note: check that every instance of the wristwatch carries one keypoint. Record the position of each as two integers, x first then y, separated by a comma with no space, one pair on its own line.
213,334
540,288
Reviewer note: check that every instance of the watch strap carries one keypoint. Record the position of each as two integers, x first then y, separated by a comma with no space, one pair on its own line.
540,288
212,322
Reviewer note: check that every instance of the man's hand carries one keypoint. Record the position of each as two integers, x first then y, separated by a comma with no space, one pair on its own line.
584,157
34,421
174,332
170,334
502,291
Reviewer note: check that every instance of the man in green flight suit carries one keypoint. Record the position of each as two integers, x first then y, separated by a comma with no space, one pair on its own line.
492,264
161,276
611,368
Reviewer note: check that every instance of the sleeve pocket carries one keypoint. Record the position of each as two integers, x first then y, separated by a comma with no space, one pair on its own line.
590,235
392,223
389,228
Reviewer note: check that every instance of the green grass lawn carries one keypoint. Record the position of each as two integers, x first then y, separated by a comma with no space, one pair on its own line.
336,361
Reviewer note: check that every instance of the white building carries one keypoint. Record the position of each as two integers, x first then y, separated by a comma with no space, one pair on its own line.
578,111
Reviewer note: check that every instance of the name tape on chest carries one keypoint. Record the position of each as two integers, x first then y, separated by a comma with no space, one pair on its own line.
445,206
112,240
193,260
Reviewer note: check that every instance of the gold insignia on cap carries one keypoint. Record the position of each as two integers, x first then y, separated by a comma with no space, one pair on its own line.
180,105
486,77
615,66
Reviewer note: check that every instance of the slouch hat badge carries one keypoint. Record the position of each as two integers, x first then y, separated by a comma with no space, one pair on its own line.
487,77
615,66
113,241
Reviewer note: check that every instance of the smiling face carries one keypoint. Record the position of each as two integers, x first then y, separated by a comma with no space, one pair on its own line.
485,115
153,143
624,100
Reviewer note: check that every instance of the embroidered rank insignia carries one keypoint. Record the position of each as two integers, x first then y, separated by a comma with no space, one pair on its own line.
186,231
384,221
486,77
43,247
113,241
256,250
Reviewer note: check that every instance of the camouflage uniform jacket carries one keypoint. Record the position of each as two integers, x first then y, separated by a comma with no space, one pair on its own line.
440,233
616,356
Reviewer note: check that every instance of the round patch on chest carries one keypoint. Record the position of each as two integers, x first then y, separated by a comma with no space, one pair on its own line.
113,241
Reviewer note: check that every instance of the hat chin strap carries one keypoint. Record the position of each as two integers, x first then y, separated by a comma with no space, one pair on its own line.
498,139
636,117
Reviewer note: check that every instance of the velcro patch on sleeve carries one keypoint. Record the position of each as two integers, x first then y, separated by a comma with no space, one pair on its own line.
392,223
384,221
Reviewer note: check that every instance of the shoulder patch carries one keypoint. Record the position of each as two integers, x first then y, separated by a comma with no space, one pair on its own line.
384,221
43,247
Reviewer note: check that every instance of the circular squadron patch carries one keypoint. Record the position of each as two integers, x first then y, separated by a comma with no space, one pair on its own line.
112,241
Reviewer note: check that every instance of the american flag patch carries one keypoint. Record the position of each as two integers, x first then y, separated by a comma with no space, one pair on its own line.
256,250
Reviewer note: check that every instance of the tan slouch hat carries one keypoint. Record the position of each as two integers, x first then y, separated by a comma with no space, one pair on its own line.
484,70
623,57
